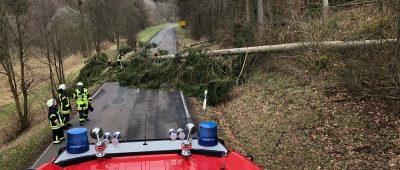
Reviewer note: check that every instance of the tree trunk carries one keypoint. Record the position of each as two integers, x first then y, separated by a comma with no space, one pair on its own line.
55,63
213,19
248,18
7,65
269,12
293,46
260,16
117,37
52,83
60,66
46,51
325,8
398,32
24,114
83,33
97,46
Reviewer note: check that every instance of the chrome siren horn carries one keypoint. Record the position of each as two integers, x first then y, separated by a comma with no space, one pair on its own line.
187,144
189,127
172,134
96,133
181,134
117,137
107,137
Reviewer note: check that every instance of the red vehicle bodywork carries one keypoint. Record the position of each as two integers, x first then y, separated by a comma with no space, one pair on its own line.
233,161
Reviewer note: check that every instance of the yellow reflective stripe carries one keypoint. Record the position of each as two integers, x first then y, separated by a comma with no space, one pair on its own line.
61,120
57,140
65,112
53,127
52,115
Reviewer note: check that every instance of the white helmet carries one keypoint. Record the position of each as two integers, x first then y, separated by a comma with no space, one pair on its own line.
80,84
62,87
50,102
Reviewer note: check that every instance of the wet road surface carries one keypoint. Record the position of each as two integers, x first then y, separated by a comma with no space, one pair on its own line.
124,109
166,39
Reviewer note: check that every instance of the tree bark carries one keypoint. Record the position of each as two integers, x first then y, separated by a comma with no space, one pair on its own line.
46,51
325,8
7,64
248,18
260,16
398,32
24,117
51,74
117,37
292,47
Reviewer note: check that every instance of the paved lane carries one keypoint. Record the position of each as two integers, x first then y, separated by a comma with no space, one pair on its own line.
166,39
164,111
124,109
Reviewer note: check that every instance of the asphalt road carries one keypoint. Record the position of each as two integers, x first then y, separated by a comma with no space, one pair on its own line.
123,109
166,39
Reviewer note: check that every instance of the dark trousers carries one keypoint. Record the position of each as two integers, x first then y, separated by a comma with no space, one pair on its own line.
66,118
58,135
119,63
83,115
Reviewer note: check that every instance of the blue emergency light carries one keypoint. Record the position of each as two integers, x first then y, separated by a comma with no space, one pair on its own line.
77,140
208,135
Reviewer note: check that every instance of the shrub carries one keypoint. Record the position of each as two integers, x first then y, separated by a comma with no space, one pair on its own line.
125,49
194,74
93,68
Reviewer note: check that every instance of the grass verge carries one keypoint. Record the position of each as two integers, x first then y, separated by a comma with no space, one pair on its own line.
25,148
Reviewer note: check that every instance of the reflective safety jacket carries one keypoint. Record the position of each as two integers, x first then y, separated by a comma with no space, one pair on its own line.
83,99
64,102
55,118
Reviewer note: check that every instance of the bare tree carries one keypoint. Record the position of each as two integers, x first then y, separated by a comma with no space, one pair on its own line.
113,17
83,26
14,22
134,19
43,20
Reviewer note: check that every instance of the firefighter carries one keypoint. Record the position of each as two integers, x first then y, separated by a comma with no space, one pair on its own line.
119,61
83,103
64,103
56,122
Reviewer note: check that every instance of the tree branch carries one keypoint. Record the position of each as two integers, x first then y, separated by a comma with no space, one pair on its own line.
244,63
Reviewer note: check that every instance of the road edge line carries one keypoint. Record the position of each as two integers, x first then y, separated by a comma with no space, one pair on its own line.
98,90
184,105
48,147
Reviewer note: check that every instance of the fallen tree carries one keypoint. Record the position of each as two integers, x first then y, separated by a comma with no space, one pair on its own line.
291,47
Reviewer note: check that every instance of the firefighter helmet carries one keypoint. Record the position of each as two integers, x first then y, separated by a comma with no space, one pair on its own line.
80,84
50,102
62,87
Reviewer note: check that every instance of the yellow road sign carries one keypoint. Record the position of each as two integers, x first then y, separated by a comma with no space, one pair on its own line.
182,24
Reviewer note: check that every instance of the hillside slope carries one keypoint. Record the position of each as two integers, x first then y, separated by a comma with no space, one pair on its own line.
288,122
